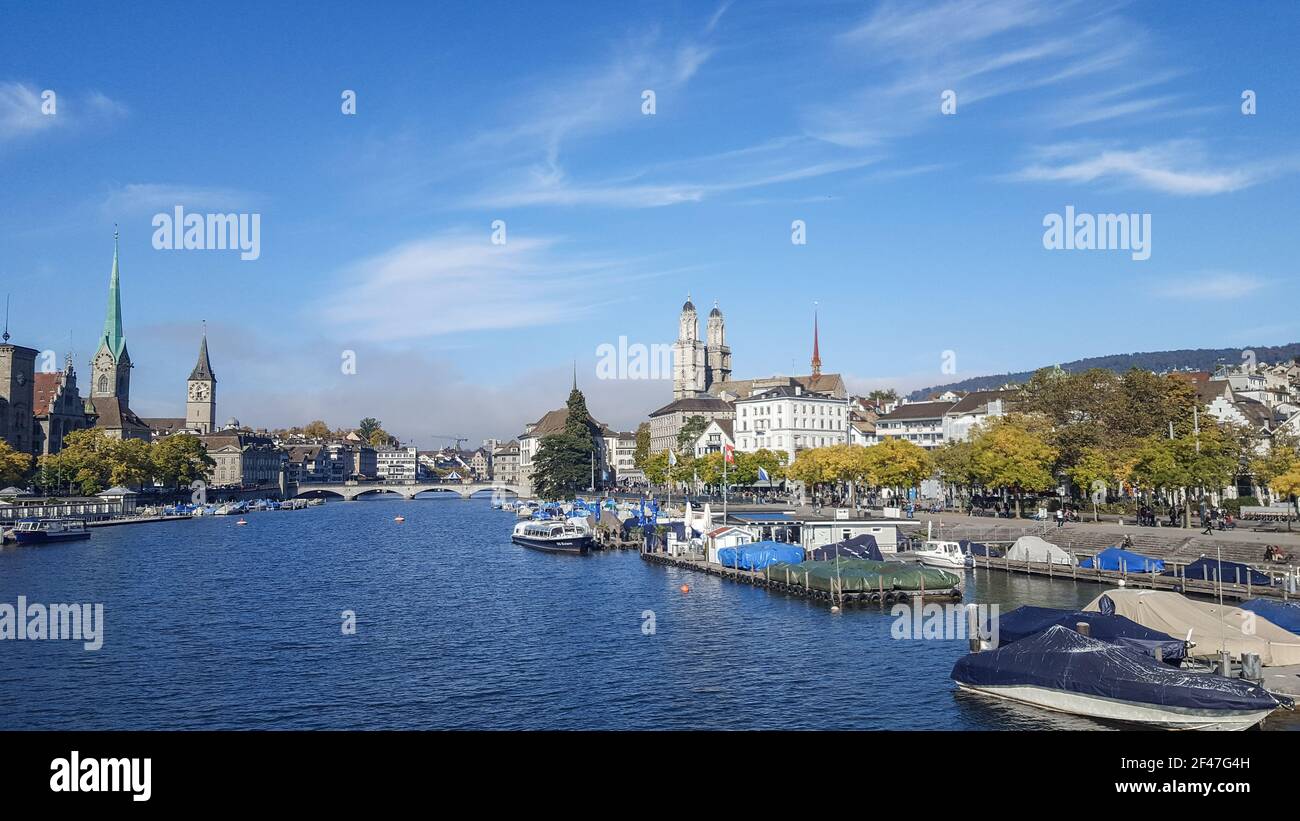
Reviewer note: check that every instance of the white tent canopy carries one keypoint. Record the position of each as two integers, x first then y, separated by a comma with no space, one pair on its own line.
1034,549
1212,627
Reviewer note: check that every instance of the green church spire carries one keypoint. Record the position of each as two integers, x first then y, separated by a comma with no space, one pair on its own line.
113,336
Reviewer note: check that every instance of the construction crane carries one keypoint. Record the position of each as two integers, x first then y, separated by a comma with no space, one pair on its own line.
455,438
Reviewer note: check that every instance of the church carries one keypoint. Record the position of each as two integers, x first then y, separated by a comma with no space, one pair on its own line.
698,365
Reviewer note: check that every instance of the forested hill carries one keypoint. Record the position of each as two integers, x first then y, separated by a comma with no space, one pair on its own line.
1198,359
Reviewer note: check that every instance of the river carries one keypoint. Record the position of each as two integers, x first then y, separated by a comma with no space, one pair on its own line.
211,625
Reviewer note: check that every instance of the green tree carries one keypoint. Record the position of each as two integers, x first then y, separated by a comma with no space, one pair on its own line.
130,463
13,465
898,463
316,430
642,450
1009,454
1093,475
179,460
368,426
563,464
655,467
691,430
956,465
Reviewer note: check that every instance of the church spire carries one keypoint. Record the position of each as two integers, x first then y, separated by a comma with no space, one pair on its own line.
113,336
816,357
203,369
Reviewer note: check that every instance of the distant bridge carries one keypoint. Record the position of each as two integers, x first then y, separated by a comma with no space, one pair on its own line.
351,492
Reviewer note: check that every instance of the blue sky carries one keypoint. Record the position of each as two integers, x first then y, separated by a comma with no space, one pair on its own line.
924,229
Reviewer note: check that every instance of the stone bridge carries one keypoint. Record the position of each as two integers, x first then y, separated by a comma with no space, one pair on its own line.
351,492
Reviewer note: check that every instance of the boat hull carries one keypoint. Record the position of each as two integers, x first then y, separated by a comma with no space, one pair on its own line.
577,545
1149,715
30,537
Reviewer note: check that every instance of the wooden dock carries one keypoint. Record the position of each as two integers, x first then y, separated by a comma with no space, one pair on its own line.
828,597
1152,581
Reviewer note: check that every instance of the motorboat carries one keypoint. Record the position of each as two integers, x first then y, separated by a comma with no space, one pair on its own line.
36,531
936,553
554,536
1065,671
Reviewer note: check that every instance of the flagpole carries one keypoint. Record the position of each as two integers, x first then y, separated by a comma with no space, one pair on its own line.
724,484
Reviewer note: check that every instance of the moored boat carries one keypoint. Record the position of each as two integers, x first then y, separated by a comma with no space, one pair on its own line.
935,553
1062,670
34,531
554,536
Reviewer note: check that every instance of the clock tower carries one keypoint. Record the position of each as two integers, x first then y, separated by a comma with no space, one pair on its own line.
201,400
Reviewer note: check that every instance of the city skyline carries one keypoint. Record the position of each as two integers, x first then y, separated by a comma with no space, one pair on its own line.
924,230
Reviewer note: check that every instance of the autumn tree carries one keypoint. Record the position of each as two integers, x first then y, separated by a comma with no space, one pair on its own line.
1009,454
642,450
13,465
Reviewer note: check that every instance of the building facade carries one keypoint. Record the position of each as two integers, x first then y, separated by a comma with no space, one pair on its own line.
17,396
790,419
397,464
667,422
59,408
201,393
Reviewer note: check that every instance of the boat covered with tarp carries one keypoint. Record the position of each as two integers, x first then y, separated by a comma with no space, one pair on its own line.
859,547
1028,620
1059,669
1035,549
759,555
1214,570
1284,614
1117,558
1211,628
862,576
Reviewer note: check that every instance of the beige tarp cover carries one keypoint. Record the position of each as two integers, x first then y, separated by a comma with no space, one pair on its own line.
1213,627
1034,549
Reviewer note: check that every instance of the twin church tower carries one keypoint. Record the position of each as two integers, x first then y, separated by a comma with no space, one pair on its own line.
697,365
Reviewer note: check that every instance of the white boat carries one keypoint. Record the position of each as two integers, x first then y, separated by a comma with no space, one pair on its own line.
554,536
1066,672
935,553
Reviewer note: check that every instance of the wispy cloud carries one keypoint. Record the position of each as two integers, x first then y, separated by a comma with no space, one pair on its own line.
460,282
1215,285
1174,167
136,198
22,113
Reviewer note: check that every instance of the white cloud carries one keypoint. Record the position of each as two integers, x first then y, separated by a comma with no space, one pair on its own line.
21,114
135,198
1213,285
1175,167
461,282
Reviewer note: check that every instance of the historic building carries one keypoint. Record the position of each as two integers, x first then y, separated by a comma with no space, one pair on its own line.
59,408
17,386
110,372
201,396
831,384
667,422
245,459
697,365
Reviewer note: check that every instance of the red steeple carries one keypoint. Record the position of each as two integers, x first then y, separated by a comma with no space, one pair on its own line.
817,357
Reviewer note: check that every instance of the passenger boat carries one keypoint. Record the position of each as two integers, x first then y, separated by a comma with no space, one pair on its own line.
933,553
1062,670
554,536
33,531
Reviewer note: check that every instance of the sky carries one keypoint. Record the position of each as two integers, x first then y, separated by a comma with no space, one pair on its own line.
924,257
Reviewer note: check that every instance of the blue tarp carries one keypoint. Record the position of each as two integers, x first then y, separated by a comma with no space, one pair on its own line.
1028,620
1061,659
1233,572
859,547
759,555
1117,558
1284,614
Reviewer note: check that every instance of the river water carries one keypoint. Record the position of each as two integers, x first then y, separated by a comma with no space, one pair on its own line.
212,625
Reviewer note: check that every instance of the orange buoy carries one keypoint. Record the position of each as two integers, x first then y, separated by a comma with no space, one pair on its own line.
241,522
686,588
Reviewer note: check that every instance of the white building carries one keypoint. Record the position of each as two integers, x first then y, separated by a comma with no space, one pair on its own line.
790,419
397,464
715,437
970,410
920,423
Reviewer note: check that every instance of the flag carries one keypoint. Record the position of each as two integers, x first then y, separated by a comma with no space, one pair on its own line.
672,458
763,477
729,453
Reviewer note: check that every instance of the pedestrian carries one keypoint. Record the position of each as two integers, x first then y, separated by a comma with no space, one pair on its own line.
1060,518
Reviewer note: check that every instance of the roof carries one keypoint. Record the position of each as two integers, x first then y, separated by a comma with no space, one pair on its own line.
975,401
113,336
707,404
831,383
554,421
763,517
203,368
113,414
786,390
917,410
165,424
1257,413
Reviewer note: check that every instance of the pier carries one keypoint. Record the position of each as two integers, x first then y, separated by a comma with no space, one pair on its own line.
830,597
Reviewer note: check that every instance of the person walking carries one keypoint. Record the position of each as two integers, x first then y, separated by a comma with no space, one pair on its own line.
1060,517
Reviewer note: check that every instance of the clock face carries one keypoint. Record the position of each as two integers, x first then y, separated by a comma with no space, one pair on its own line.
199,392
